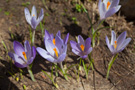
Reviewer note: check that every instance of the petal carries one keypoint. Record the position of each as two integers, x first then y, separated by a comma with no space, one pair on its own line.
34,23
112,11
80,40
41,16
33,55
88,50
47,35
19,62
102,9
84,56
27,48
126,42
74,45
112,49
27,15
114,3
50,46
45,54
87,44
34,12
58,42
59,34
121,39
77,52
66,39
107,41
113,38
18,48
61,58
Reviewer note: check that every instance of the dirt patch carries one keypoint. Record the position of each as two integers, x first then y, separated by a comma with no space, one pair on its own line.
59,16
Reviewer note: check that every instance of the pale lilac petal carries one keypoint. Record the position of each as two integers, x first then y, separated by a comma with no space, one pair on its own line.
77,52
45,54
59,34
20,66
113,38
61,58
126,42
121,39
114,3
107,41
88,50
66,39
33,23
41,16
84,56
50,46
87,44
34,12
18,48
112,49
58,42
112,11
27,48
27,15
74,45
19,62
64,49
47,35
102,9
52,36
80,40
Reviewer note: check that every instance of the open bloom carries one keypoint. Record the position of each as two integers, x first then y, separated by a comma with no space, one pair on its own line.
23,56
82,48
108,8
32,18
56,48
117,45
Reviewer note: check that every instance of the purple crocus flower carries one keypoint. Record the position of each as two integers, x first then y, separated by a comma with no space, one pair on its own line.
32,19
56,48
117,45
82,48
108,8
23,56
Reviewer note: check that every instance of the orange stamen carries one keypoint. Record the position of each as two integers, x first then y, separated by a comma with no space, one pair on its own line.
33,15
56,52
82,47
24,54
53,41
115,44
108,4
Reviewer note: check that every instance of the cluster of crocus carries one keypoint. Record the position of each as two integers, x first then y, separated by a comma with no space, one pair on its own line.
82,48
108,8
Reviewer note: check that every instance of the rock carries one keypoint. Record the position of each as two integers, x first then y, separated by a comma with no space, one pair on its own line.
128,8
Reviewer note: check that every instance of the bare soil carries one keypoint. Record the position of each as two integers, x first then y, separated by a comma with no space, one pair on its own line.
58,16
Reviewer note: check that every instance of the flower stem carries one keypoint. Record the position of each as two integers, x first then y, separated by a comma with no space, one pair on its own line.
31,74
33,37
63,71
110,64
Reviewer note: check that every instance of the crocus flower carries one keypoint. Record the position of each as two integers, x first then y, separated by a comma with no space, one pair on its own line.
23,56
52,38
56,48
82,48
32,18
117,45
108,8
